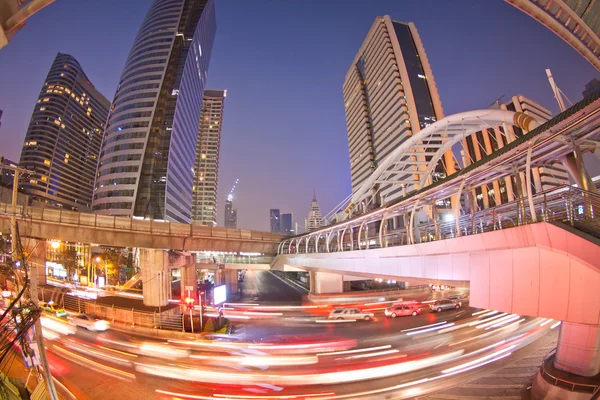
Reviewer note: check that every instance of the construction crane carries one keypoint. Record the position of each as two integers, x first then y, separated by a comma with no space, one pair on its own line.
230,195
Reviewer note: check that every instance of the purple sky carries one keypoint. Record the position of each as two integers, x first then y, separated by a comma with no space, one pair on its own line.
283,64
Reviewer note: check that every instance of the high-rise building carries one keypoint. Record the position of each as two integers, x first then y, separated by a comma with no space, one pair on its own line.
64,136
591,87
275,219
6,175
148,153
389,95
287,227
314,220
206,172
0,118
230,214
483,143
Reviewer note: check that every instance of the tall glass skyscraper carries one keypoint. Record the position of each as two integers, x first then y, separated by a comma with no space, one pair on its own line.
206,172
389,95
63,140
147,160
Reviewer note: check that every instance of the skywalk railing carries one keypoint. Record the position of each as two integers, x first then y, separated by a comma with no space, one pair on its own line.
128,224
565,204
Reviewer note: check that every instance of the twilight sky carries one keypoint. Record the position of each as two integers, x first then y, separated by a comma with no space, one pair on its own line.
283,64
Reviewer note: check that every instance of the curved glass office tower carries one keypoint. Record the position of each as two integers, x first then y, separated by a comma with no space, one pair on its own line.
147,160
64,136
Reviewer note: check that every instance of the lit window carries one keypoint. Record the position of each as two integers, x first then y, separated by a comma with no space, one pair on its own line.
42,108
46,162
44,178
33,181
46,99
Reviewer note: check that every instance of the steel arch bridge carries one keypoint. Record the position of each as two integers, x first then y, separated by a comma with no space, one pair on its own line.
573,131
414,157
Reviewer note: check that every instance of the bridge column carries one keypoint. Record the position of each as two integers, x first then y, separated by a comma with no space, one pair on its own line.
188,278
156,279
228,277
578,349
325,282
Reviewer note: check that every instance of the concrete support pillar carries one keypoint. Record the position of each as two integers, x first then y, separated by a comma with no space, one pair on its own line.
578,349
228,277
156,279
36,249
312,281
188,280
325,282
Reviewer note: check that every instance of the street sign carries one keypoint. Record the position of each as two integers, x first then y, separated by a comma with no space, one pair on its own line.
188,288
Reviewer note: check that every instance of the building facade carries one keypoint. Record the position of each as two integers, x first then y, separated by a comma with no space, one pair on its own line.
389,95
591,87
63,139
275,220
230,217
286,224
314,220
483,143
6,175
206,171
148,153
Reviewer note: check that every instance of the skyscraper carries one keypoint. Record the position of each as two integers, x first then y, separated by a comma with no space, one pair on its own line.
275,220
286,224
206,172
591,87
0,118
389,95
64,136
482,143
148,153
314,220
230,214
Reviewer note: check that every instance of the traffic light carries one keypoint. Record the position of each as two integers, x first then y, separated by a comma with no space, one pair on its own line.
189,302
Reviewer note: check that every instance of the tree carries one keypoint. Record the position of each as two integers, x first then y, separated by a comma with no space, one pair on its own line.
68,257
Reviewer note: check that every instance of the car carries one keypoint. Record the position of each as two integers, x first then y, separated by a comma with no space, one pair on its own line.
350,313
401,310
452,297
52,308
89,322
441,305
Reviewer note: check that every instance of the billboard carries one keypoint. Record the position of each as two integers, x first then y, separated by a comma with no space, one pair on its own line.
219,294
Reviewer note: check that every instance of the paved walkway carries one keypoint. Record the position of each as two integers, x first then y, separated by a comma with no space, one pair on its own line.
508,382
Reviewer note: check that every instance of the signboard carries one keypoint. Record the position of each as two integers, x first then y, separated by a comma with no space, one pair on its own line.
219,294
188,288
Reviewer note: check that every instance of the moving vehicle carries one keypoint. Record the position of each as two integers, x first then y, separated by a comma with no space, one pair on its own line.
401,310
89,322
350,313
441,305
52,308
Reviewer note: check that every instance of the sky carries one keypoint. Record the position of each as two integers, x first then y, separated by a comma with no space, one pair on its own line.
283,65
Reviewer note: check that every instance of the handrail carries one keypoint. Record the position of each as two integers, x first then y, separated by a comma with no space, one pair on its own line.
562,203
565,383
128,224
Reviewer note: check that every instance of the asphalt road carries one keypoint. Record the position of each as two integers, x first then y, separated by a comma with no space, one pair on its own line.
265,287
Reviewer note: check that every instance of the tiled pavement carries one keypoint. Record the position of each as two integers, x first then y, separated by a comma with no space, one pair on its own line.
509,381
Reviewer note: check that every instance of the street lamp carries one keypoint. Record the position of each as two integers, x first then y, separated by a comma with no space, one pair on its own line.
55,245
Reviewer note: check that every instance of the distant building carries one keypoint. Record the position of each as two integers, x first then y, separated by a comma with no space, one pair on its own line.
6,175
63,139
275,219
287,227
389,95
206,171
314,220
0,118
482,143
591,87
230,214
146,168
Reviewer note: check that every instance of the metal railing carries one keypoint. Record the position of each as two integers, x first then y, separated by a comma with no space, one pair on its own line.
565,204
562,382
128,224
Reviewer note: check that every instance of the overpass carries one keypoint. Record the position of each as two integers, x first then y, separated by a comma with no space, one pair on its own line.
538,255
163,245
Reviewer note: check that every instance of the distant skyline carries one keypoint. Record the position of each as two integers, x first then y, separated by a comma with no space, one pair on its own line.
283,66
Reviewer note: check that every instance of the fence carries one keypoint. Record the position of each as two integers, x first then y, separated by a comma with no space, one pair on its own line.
562,382
579,208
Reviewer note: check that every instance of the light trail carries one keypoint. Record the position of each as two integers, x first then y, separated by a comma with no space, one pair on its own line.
424,326
337,353
433,328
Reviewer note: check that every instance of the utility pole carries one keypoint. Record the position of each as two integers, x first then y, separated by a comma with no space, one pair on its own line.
33,286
